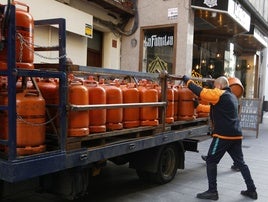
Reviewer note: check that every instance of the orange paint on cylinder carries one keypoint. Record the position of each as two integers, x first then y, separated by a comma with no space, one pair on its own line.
236,86
176,102
30,107
185,104
96,95
24,39
148,115
114,117
50,91
78,121
170,103
131,116
201,113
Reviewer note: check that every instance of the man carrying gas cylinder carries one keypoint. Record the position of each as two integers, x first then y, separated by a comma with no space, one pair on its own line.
227,134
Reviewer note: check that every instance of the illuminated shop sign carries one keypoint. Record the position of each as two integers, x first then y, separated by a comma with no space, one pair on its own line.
158,41
257,35
239,14
211,3
260,37
221,5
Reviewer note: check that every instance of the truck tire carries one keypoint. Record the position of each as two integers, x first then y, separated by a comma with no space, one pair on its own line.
167,165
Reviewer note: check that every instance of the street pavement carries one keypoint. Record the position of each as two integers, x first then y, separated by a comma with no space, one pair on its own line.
121,184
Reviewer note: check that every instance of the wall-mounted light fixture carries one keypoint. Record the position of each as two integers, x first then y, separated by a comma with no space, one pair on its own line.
133,43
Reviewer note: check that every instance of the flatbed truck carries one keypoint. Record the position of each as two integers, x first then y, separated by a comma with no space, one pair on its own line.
156,152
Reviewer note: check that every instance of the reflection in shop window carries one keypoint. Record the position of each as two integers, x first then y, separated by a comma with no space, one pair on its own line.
158,49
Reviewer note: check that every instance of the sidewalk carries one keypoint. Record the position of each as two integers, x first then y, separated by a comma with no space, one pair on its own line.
230,183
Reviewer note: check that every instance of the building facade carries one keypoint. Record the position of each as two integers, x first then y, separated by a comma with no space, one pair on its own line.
204,37
209,38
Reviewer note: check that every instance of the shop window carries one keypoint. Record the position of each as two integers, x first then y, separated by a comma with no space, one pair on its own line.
158,50
209,58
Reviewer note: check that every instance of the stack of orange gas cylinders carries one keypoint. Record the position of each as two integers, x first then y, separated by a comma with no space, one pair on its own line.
33,107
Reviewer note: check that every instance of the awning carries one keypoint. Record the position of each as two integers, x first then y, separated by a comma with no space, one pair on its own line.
252,41
220,18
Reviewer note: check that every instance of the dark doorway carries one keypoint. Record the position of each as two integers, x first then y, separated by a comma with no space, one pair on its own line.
94,50
93,58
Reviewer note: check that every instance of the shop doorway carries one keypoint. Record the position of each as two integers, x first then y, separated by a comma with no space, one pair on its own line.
94,50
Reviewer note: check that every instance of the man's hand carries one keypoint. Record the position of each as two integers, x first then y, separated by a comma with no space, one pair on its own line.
185,78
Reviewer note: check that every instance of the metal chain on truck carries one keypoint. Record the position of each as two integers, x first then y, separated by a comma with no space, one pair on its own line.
37,124
27,44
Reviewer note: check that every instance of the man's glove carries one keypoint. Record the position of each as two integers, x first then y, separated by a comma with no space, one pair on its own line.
185,78
196,102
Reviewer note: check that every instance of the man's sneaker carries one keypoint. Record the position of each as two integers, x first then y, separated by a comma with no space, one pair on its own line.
250,194
204,157
208,195
235,168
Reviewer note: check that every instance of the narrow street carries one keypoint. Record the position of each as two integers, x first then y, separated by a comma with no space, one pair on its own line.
121,184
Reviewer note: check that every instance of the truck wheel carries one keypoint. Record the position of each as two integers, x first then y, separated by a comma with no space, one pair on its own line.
167,165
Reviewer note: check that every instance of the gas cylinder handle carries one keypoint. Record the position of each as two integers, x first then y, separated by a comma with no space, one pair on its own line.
91,83
75,80
22,4
31,92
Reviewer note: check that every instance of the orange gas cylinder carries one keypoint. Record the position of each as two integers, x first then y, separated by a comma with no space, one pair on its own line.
78,121
186,104
236,86
170,103
131,116
148,115
30,107
201,113
142,83
24,29
114,117
176,102
24,38
96,95
50,91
